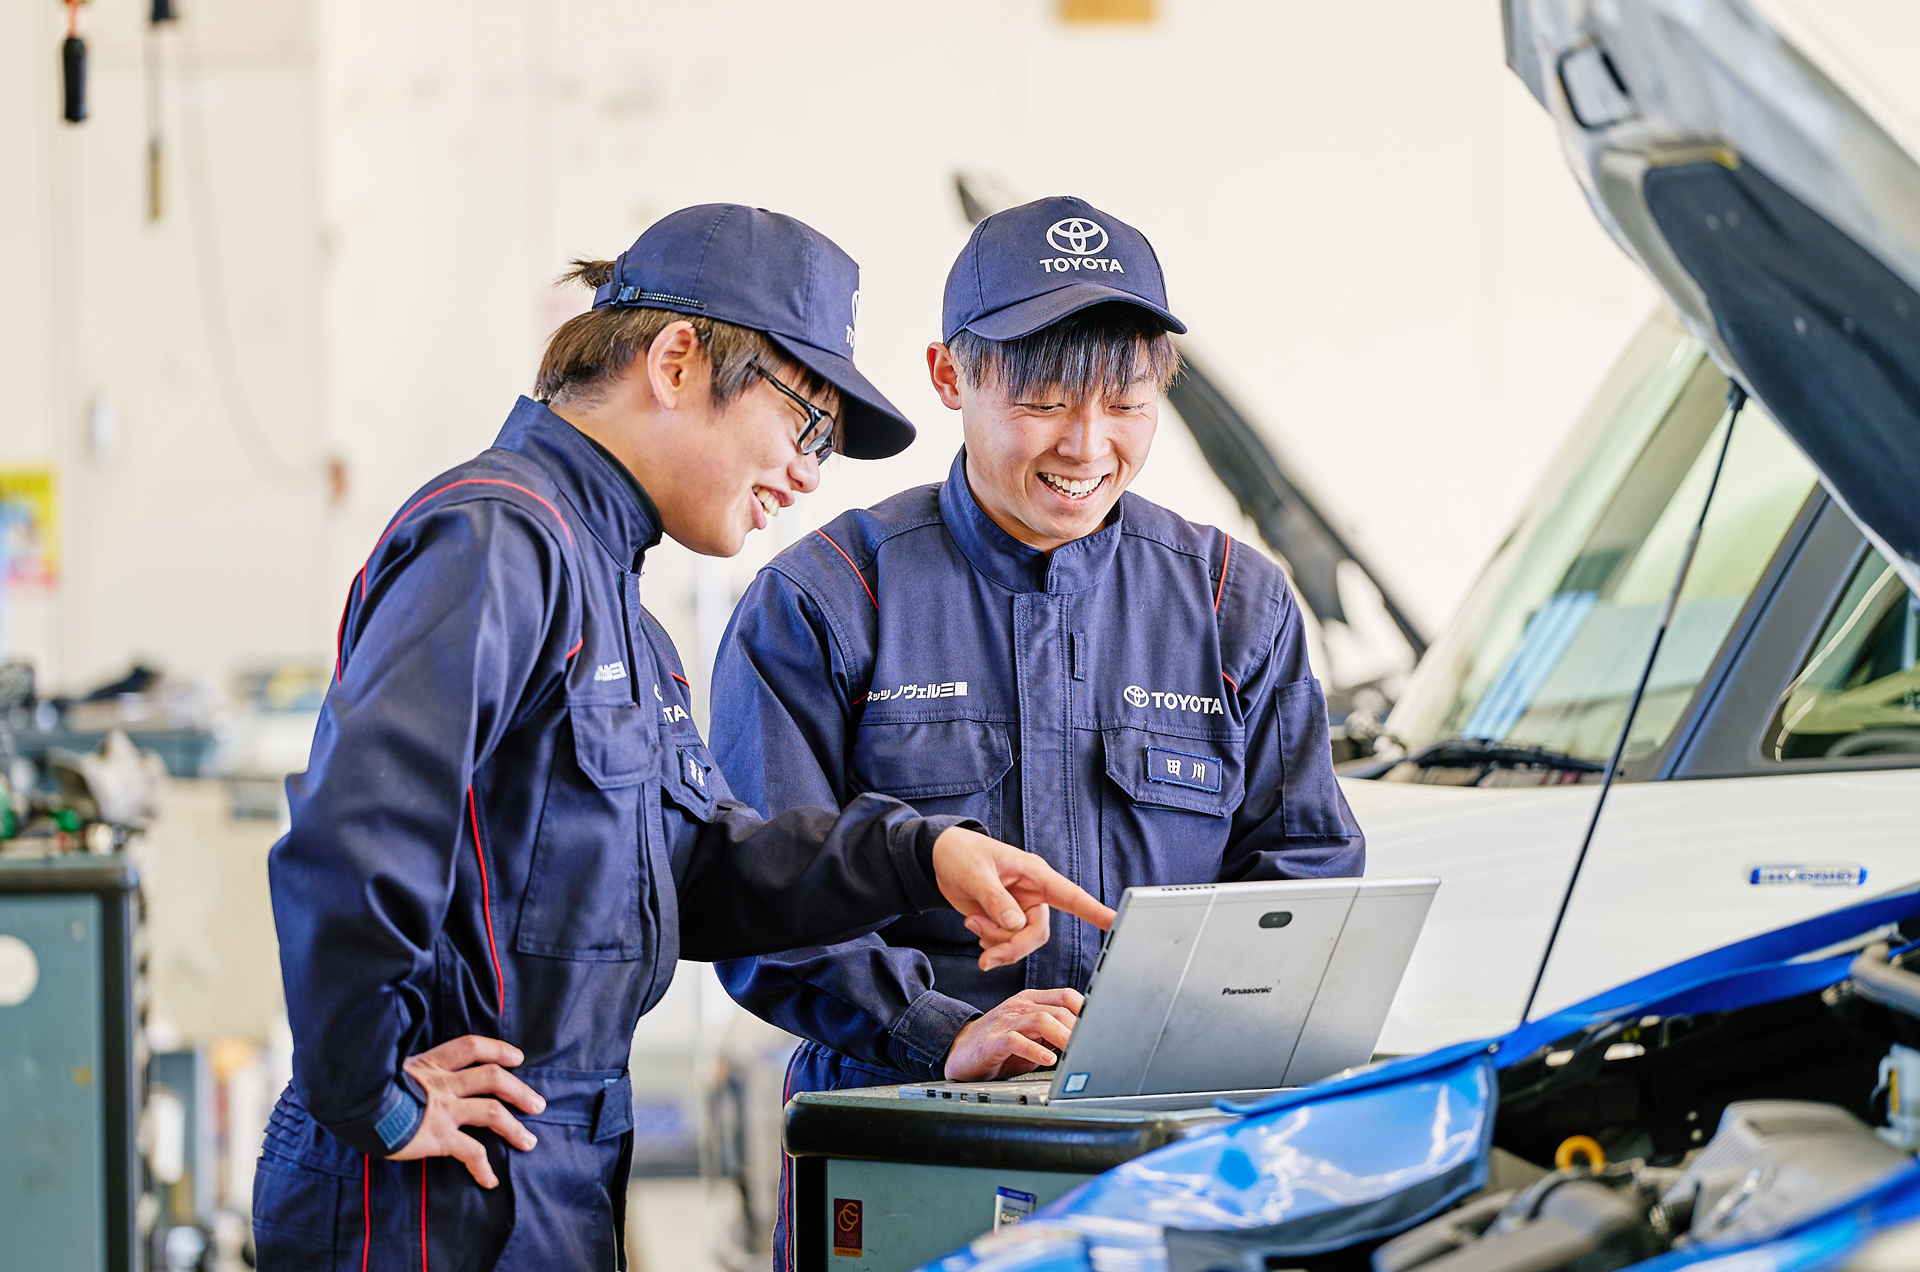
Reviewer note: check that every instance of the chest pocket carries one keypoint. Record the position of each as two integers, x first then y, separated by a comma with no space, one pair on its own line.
583,889
942,768
1166,806
1159,770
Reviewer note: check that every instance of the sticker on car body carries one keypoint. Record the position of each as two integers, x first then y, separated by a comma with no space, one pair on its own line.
1814,876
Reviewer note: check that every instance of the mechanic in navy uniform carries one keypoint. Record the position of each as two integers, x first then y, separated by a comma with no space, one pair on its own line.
1120,690
509,828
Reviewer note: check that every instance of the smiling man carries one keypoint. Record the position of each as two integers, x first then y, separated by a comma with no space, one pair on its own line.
1117,689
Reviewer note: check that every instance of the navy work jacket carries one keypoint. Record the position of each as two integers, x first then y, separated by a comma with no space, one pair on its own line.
1136,707
509,826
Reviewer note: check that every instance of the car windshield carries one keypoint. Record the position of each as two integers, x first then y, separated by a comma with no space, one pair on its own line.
1546,650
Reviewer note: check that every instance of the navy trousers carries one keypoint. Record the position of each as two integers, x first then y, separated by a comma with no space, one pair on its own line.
818,1068
319,1205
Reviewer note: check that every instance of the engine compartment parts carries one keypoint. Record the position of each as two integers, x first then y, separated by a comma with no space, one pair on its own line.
1770,1164
1575,1218
1575,1148
1877,978
1774,1162
1899,1095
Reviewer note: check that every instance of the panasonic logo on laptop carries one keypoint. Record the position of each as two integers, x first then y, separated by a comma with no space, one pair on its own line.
1257,989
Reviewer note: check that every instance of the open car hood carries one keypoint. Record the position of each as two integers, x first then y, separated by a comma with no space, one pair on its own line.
1774,200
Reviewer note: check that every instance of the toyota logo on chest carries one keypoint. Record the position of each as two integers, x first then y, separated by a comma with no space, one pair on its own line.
1167,700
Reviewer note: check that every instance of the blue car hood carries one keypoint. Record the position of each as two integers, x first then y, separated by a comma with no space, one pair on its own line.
1372,1153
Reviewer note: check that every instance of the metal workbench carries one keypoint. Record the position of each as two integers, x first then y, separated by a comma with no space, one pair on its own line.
885,1184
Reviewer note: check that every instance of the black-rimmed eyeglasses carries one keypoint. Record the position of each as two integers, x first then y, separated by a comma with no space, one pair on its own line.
816,439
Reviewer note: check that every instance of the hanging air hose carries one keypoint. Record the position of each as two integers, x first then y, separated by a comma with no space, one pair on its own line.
73,66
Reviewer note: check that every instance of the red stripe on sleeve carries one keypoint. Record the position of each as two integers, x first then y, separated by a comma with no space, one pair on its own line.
340,644
786,1168
851,566
1220,591
486,906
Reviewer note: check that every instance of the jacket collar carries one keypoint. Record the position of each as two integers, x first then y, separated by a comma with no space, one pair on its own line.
1071,567
616,509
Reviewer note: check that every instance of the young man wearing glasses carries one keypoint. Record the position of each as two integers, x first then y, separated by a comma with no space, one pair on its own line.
509,828
1120,690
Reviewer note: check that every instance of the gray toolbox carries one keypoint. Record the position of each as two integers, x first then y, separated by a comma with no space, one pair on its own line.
70,1081
884,1184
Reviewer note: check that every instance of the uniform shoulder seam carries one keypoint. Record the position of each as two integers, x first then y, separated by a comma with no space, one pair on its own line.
862,532
1166,541
474,490
1143,519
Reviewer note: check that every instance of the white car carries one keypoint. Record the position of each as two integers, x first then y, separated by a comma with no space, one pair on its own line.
1773,768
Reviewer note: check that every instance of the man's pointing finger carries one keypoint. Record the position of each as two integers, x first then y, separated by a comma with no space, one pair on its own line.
1070,898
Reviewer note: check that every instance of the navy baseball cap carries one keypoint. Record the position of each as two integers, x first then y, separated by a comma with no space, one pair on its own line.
758,269
1031,266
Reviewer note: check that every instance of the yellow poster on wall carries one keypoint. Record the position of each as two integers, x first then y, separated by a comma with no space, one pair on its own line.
29,526
1106,10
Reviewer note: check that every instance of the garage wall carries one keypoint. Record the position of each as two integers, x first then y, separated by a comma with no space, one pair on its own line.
169,370
1363,218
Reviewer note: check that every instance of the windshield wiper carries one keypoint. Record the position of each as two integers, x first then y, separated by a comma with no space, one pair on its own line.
1473,752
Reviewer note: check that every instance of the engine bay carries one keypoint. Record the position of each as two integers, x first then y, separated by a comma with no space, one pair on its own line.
1721,1129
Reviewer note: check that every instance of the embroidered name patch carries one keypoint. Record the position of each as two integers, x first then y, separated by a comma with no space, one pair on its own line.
696,771
1200,772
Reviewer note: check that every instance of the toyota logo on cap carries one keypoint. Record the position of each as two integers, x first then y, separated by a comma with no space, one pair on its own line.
1077,235
1031,266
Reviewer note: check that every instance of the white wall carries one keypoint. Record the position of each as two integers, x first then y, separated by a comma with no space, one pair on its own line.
195,539
1364,219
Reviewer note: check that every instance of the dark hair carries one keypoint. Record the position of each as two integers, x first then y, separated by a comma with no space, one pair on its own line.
1103,349
590,349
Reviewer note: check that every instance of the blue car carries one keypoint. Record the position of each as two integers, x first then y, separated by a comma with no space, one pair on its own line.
1741,1110
1753,1107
